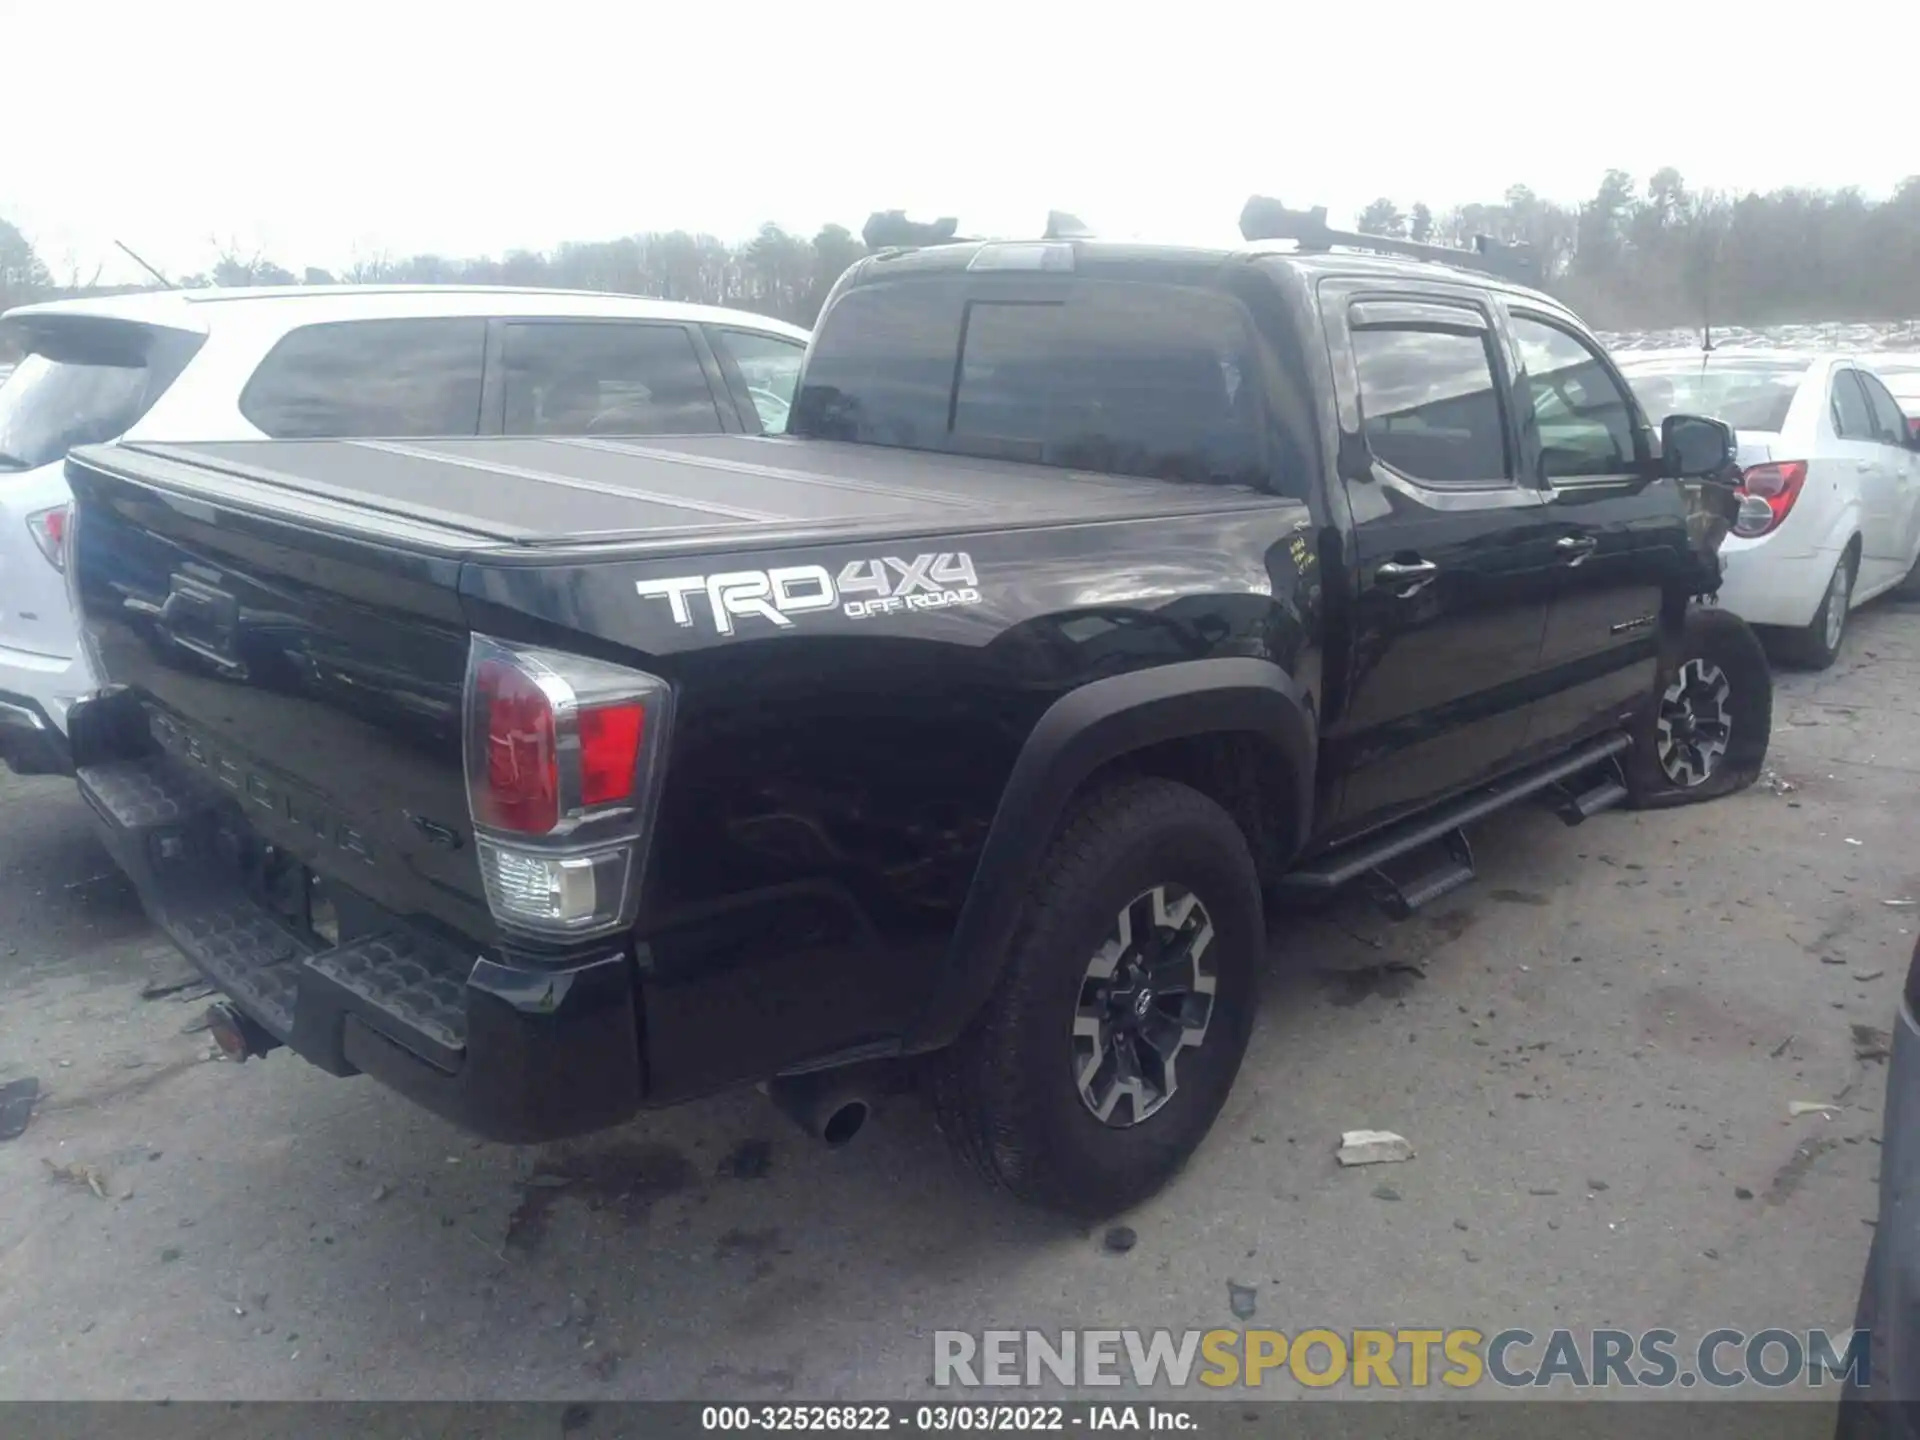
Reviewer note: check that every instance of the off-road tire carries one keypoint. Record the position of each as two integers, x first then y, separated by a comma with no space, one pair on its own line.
1724,643
1006,1093
1812,647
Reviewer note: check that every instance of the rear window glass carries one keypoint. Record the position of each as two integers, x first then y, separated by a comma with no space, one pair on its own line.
1747,397
79,384
371,378
1123,378
47,408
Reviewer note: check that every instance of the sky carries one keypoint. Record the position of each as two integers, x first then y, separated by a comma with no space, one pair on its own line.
317,135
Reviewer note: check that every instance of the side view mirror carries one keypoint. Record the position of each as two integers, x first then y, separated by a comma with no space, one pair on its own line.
1694,447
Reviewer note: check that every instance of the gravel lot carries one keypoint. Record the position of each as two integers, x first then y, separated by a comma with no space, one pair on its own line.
1593,1050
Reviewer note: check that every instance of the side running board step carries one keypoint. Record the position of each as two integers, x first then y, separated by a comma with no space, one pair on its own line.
1604,790
1400,887
1370,853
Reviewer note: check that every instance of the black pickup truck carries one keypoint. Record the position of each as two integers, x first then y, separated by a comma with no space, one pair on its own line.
1102,596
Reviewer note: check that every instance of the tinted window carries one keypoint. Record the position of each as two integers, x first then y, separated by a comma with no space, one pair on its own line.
1852,420
1585,420
1747,395
1115,377
1889,425
371,378
1429,403
606,379
770,364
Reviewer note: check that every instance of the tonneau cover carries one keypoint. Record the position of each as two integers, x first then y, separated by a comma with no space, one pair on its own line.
507,491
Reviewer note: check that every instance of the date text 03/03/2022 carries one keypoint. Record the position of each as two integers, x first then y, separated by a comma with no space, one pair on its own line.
941,1418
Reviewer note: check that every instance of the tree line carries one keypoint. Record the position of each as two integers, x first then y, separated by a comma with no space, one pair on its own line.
1662,254
1632,256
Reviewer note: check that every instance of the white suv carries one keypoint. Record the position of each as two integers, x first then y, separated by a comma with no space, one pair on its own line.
359,361
1830,489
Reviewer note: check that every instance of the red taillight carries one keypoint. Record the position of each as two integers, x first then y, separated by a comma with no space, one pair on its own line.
563,760
49,528
609,749
522,790
1774,486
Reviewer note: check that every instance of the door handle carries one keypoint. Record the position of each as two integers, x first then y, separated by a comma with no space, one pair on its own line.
1575,548
1406,576
1863,466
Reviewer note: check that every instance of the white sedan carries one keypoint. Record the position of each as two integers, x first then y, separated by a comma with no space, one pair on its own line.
1830,507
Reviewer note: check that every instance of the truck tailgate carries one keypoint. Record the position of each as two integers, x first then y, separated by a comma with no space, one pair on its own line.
316,676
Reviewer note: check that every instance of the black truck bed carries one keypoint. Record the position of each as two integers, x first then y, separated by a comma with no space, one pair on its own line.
462,495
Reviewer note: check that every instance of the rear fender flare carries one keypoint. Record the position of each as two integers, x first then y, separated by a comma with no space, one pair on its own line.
1083,730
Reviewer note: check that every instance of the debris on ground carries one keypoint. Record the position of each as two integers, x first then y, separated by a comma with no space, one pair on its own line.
1242,1299
1373,1147
1864,976
1541,1190
169,973
1385,1192
1597,1186
1900,904
17,1099
81,1177
381,1191
1871,1043
1120,1239
1781,1048
1797,1108
1778,783
1852,841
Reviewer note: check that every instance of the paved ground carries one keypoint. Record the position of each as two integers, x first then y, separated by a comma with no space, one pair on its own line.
1596,1064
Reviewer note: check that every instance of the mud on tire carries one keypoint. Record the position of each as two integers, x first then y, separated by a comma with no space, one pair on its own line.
1705,730
1018,1095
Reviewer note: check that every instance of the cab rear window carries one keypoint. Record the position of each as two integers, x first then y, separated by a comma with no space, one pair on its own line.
1111,376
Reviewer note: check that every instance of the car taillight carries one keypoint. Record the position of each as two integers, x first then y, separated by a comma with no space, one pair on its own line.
1767,493
563,757
49,529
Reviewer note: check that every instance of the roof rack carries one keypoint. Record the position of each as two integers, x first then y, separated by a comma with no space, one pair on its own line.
891,230
1264,218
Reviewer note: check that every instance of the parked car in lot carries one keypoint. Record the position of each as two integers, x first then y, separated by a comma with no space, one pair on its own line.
1098,592
392,361
1830,514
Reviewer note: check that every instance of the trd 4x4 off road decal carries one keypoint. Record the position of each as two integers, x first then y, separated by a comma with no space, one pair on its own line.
864,588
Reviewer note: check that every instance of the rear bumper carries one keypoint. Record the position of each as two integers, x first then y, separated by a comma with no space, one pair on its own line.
1782,584
30,742
511,1052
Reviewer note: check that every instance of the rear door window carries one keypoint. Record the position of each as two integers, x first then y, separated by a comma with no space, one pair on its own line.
83,381
371,378
1430,403
1122,378
1852,418
605,378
